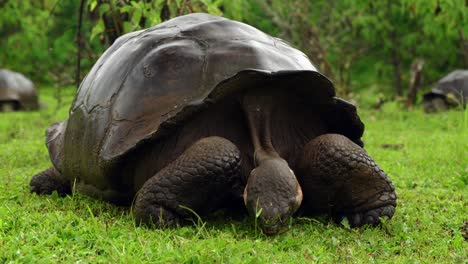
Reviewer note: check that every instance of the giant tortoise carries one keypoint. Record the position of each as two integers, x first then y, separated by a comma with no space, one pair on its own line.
202,113
450,91
17,92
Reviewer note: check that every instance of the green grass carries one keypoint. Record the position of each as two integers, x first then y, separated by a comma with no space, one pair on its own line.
429,169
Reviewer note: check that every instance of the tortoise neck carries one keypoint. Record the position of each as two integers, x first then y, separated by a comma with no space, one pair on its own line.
258,110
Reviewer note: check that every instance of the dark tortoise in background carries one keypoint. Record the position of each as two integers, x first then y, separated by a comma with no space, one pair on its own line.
202,112
449,92
17,92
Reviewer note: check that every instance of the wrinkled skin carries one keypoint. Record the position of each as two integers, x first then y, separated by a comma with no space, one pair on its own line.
272,194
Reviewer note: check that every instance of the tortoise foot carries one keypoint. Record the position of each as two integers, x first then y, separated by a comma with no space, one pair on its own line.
338,177
198,181
371,217
48,181
371,212
156,216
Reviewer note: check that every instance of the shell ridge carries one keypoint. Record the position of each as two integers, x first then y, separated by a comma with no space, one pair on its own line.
111,106
94,73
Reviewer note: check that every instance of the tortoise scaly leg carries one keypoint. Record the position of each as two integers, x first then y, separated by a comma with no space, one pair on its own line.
200,179
339,178
48,181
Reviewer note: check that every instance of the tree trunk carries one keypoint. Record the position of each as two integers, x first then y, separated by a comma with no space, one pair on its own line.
397,74
415,81
112,27
113,21
395,60
79,42
464,48
165,12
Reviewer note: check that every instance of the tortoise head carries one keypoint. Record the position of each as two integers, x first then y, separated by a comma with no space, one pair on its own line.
272,194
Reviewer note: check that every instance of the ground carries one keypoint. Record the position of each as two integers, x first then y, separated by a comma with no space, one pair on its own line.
426,156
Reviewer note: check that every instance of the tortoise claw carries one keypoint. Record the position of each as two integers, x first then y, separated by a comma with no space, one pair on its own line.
48,181
156,216
371,217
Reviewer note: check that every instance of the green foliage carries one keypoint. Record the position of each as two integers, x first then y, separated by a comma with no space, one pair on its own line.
358,44
128,16
387,35
401,31
25,46
234,9
443,23
429,171
38,39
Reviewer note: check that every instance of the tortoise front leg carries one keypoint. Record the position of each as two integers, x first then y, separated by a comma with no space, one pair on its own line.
200,179
8,106
48,181
339,178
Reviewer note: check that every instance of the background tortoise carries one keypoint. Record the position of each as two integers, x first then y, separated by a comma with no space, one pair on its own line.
450,91
205,112
17,92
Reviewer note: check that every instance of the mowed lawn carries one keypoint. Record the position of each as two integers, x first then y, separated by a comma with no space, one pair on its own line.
426,156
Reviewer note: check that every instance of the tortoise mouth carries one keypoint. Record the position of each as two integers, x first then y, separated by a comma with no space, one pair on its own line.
271,230
274,228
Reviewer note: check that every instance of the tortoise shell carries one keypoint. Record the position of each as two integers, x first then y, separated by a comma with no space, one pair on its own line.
451,89
150,79
17,89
